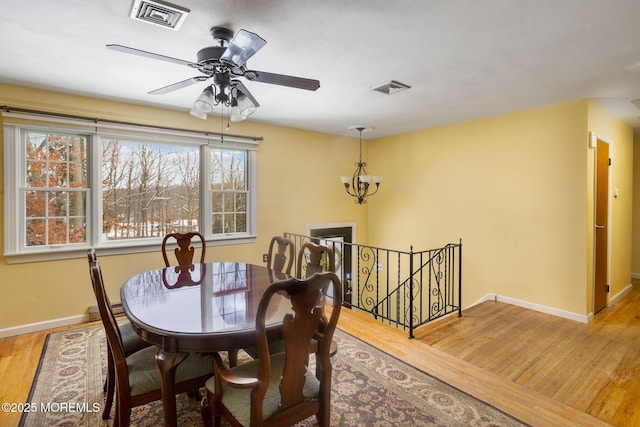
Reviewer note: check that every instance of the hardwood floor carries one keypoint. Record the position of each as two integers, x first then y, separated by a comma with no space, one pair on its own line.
19,359
544,370
540,368
593,368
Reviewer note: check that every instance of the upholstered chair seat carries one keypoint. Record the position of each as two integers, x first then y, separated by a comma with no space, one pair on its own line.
144,375
235,399
131,342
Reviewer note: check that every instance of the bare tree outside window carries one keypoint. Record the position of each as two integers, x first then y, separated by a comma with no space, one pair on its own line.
149,189
229,191
55,189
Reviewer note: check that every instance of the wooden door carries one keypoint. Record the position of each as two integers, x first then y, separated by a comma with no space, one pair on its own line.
601,285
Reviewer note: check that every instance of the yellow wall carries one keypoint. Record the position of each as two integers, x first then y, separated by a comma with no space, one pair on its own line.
514,188
297,182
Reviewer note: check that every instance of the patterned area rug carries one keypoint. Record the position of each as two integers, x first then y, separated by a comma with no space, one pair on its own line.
370,388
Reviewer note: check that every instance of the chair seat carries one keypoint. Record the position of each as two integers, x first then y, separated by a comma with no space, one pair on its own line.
275,347
131,342
238,400
144,375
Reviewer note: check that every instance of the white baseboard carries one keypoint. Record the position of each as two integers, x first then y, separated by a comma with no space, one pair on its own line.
536,307
635,275
487,297
41,326
622,293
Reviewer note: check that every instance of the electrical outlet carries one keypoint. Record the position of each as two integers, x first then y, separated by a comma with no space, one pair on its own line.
265,257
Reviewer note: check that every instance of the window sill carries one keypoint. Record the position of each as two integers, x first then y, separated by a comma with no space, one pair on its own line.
137,247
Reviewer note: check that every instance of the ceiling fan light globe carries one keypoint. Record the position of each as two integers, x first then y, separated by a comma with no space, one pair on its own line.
203,106
248,111
245,105
205,101
197,113
234,114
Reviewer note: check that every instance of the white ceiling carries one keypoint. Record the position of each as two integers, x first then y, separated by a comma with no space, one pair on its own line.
464,59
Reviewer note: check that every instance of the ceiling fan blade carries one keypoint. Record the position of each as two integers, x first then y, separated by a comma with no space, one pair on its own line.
178,85
133,51
282,80
242,88
242,47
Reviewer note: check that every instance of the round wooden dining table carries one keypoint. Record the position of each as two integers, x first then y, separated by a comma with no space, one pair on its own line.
199,308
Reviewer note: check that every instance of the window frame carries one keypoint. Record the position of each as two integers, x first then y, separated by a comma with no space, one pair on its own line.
15,250
23,188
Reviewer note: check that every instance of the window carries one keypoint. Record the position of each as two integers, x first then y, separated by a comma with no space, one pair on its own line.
148,189
69,187
228,191
54,191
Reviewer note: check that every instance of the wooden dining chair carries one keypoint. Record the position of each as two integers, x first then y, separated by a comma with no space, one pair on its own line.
131,343
314,258
137,374
185,251
279,261
280,257
279,389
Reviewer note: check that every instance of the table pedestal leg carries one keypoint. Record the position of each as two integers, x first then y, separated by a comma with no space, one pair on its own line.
167,363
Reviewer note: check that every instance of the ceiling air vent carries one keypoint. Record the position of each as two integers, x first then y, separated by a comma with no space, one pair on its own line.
392,87
159,13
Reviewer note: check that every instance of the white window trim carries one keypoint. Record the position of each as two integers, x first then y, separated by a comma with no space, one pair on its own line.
14,122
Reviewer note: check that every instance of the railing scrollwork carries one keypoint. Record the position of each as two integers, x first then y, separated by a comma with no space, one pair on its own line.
403,289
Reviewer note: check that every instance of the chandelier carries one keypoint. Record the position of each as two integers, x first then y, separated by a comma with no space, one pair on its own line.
359,184
228,93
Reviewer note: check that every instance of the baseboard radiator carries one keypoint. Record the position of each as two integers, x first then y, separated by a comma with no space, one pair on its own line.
94,313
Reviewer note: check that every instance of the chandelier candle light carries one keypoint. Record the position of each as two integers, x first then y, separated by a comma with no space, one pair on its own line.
359,184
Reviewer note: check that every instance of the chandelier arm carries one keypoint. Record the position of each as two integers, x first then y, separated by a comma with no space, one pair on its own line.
349,192
374,191
355,181
361,188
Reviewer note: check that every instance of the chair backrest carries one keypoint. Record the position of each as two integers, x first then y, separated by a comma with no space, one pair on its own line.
314,258
185,251
305,322
112,332
280,257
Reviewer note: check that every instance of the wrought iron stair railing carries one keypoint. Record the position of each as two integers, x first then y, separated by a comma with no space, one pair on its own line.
403,289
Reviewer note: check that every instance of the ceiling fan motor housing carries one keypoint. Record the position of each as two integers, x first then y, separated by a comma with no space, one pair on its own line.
210,54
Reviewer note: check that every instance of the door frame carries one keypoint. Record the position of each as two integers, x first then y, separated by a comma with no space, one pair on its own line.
348,271
594,138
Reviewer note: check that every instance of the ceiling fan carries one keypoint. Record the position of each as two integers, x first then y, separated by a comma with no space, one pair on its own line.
224,63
